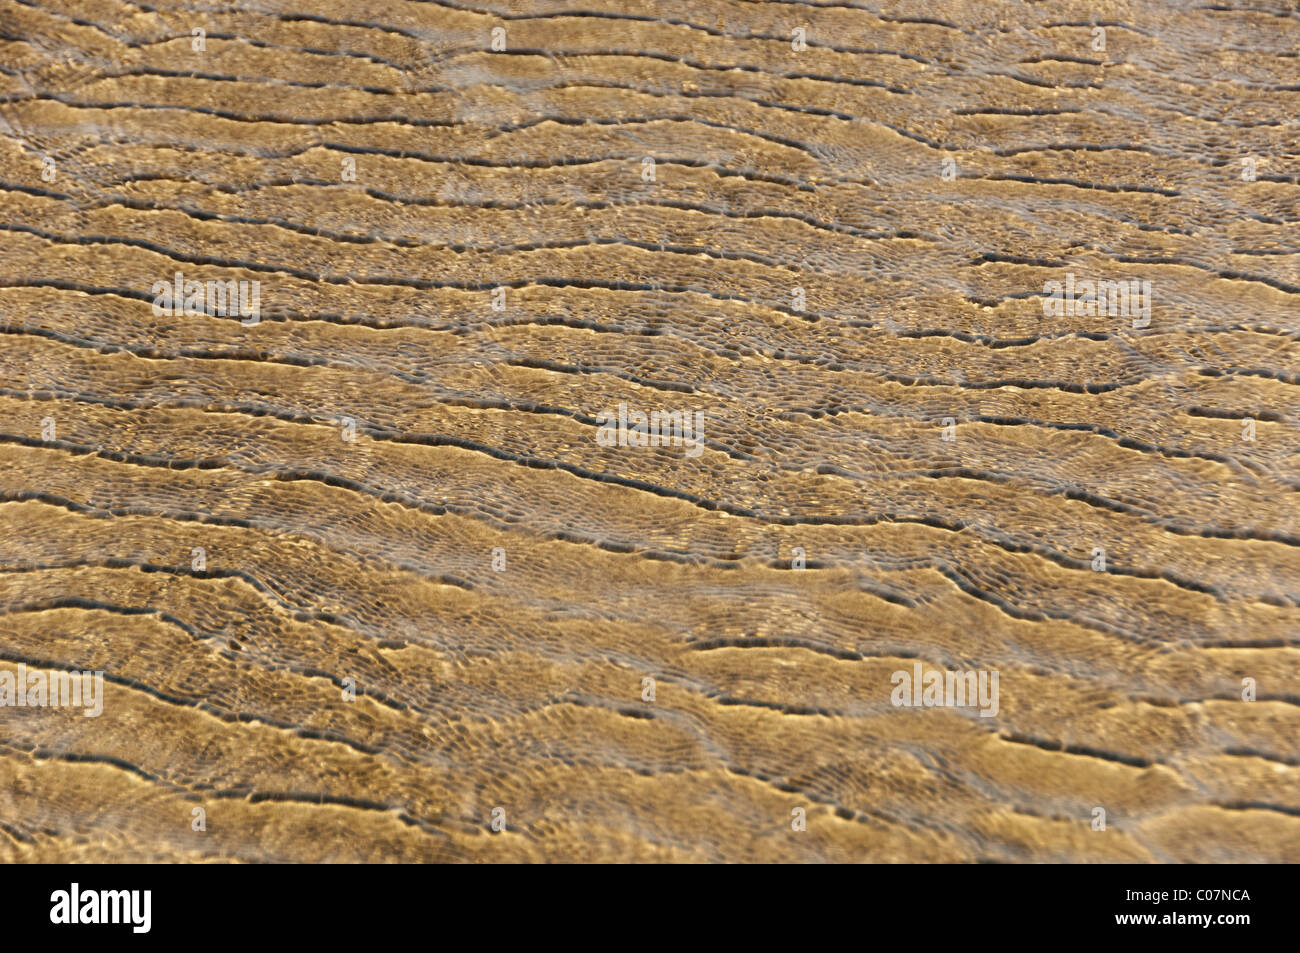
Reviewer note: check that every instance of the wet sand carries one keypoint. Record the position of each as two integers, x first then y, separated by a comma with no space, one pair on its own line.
364,583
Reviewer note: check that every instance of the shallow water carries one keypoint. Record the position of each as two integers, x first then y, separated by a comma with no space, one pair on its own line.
377,570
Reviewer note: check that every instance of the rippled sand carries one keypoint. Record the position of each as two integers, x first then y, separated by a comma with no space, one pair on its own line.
392,484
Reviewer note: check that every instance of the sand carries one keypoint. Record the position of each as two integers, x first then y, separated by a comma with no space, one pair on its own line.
375,568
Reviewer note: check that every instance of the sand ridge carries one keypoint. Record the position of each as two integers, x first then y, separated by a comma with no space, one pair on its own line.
378,566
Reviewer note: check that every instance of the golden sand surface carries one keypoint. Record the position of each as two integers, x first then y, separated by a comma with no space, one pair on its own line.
366,581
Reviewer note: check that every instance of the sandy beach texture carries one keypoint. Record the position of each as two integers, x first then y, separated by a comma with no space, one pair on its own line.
962,340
